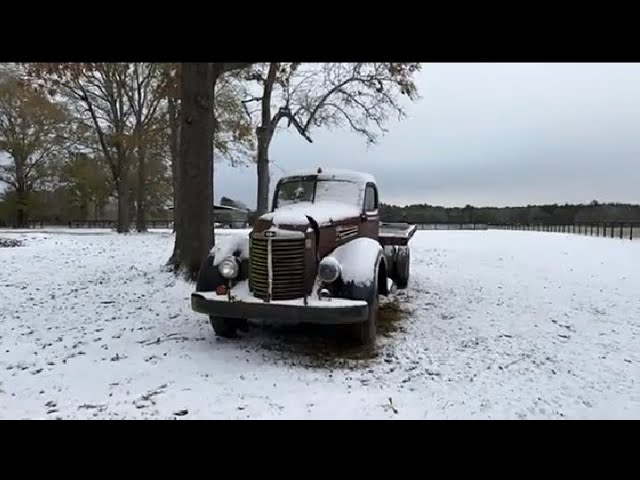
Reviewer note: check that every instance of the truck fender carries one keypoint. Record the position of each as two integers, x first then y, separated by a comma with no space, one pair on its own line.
367,291
351,255
209,276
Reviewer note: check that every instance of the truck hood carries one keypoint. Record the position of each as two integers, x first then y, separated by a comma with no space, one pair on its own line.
322,212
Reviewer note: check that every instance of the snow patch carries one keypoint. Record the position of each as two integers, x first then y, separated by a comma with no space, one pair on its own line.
503,325
348,192
322,212
357,259
337,174
227,245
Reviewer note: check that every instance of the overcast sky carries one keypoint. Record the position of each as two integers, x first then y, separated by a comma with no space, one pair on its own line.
489,134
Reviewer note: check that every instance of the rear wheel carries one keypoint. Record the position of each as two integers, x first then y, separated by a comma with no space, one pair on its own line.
402,267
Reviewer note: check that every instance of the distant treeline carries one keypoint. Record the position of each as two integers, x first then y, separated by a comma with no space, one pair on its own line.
594,212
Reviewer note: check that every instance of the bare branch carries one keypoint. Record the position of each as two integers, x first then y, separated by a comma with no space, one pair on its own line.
252,99
286,113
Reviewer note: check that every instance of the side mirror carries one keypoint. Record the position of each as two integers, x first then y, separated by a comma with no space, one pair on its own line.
363,217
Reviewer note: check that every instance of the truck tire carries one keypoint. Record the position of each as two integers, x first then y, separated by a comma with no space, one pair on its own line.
402,267
364,333
224,327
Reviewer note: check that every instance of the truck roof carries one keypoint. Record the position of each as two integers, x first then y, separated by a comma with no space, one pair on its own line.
335,173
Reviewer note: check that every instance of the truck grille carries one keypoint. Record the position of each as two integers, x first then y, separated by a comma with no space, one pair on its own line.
287,258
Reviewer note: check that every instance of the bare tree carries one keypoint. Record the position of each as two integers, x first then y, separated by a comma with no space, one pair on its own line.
144,92
33,134
359,96
98,94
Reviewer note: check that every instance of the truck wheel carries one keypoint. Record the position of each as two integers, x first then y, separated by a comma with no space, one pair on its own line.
365,333
224,327
402,267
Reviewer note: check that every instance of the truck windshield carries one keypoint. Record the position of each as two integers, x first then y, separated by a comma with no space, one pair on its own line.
312,190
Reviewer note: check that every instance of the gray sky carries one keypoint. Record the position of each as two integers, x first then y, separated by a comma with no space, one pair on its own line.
489,134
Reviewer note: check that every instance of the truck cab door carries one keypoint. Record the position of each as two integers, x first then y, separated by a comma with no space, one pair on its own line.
370,217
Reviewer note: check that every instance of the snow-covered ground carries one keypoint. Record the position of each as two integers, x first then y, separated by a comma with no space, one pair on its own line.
497,325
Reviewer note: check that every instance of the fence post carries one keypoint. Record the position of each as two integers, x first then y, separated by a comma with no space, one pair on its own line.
631,231
621,232
612,232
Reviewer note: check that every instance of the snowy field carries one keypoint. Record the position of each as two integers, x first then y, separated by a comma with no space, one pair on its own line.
495,324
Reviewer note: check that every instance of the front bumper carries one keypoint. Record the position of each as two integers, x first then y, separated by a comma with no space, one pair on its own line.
330,312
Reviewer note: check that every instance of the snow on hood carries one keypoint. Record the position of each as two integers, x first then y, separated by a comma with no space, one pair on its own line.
322,212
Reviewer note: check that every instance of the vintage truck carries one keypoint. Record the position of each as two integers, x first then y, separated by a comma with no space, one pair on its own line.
320,256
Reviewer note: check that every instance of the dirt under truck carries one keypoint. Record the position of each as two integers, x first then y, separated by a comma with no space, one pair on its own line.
320,256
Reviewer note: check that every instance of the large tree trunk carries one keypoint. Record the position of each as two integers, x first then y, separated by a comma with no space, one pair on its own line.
263,171
195,184
141,221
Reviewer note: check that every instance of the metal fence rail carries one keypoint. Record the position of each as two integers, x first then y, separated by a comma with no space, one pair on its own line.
621,230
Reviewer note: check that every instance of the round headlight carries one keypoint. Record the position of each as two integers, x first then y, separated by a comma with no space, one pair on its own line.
229,268
328,269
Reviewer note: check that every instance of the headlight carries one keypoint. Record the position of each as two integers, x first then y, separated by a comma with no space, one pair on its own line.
229,267
328,269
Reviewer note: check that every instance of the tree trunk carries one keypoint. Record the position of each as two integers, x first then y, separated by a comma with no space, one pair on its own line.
174,148
123,205
211,202
264,133
195,183
141,221
263,171
22,213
